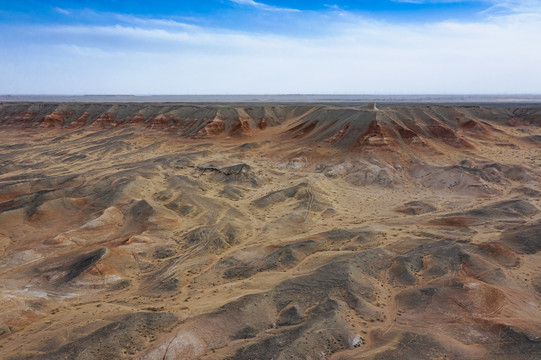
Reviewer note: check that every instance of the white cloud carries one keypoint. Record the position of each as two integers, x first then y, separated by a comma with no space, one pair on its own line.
262,6
356,55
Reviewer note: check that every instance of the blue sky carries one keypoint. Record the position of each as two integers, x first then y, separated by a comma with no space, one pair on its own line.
270,47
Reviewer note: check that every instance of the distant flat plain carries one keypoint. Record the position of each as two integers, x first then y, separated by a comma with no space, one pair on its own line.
389,100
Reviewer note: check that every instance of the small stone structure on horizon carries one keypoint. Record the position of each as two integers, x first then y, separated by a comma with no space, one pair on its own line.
372,106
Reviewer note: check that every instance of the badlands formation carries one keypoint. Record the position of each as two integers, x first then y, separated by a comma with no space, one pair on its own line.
176,231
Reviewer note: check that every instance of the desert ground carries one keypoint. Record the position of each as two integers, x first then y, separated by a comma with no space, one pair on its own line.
268,231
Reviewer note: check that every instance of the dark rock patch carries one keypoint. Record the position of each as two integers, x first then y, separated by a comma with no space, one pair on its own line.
536,284
246,332
127,336
340,234
414,346
238,173
164,253
140,211
81,264
213,238
505,209
525,239
536,139
249,146
283,257
510,209
528,191
121,285
416,208
278,196
232,192
269,347
182,207
517,345
417,299
290,317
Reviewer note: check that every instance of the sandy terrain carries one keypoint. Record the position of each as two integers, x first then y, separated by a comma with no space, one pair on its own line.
269,232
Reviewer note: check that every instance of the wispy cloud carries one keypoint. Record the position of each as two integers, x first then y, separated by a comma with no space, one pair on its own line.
508,5
62,11
514,6
262,6
153,22
432,1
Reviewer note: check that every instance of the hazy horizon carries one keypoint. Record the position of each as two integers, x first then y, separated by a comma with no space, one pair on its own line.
388,99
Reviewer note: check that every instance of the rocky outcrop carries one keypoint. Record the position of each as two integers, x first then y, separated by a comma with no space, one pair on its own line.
186,120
